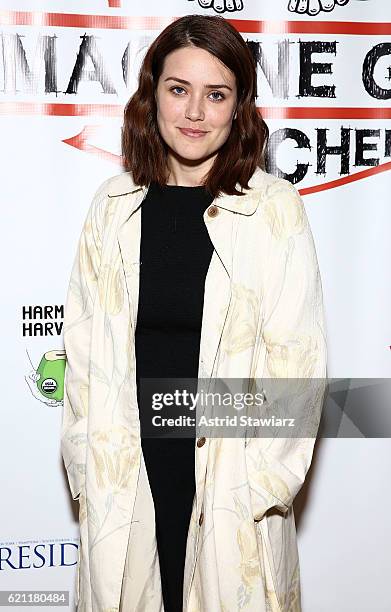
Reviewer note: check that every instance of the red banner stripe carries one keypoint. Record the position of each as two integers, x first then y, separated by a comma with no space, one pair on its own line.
61,110
345,180
127,22
325,112
268,112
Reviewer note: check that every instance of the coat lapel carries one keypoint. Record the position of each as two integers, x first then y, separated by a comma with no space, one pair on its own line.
219,281
129,237
222,230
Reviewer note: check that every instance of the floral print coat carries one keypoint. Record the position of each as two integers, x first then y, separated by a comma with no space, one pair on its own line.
262,319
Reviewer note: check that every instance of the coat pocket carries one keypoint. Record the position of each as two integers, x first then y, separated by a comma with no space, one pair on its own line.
268,568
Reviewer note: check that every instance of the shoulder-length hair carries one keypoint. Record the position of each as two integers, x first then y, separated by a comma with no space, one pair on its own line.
144,151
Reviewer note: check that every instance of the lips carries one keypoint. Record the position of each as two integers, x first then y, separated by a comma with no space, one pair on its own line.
192,133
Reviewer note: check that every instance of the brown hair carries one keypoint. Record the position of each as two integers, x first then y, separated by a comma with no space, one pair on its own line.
143,149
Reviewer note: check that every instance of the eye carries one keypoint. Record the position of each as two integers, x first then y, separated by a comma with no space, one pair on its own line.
222,96
176,87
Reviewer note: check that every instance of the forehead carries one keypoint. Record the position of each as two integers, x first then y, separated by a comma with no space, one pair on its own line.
196,65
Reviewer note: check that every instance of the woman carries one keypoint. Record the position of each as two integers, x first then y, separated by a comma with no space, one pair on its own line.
194,262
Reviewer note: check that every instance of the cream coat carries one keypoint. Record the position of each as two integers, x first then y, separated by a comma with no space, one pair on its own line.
262,319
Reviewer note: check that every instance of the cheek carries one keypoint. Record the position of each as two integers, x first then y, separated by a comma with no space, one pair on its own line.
169,109
221,118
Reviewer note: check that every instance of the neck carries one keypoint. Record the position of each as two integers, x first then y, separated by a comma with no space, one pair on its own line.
186,175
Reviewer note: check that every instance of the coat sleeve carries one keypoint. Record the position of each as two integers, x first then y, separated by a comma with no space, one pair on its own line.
77,340
292,349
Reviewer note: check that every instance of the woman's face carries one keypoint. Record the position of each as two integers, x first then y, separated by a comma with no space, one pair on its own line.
206,101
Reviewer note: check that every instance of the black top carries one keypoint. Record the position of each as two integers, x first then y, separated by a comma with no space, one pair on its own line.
175,253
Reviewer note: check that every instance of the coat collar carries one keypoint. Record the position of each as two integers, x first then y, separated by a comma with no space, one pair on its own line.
123,184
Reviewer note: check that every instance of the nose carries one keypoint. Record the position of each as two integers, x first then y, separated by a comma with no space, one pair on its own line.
194,109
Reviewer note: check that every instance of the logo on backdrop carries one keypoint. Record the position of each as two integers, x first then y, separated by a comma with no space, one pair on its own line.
36,554
46,381
42,320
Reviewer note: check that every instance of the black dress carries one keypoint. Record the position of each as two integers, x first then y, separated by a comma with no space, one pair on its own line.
175,253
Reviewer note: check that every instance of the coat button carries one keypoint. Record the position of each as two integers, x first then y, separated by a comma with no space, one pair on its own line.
213,211
201,442
200,520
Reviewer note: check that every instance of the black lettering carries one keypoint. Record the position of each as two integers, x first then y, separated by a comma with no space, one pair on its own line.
323,150
89,49
362,146
277,78
19,76
308,68
369,65
387,147
302,142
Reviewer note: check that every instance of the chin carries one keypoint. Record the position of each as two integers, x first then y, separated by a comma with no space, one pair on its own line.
186,155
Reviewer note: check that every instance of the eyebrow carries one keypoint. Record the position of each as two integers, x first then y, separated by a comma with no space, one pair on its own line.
221,86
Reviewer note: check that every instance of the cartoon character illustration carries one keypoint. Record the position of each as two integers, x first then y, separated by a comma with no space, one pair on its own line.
46,383
311,7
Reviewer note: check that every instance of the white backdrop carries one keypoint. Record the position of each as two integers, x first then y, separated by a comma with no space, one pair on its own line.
60,136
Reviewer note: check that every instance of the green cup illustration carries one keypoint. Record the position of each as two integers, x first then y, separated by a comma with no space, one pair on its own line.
51,369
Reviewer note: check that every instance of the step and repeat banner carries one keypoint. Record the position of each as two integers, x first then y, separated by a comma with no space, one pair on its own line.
324,87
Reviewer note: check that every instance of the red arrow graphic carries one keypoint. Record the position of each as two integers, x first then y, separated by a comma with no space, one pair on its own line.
80,141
